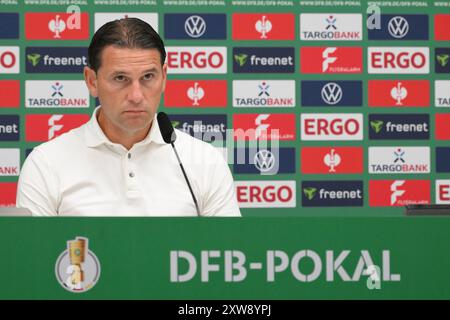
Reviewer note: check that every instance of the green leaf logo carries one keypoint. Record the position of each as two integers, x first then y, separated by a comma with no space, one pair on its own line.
377,125
241,59
442,59
34,58
175,123
310,192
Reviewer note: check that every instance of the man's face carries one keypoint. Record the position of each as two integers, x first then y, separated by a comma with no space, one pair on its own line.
129,84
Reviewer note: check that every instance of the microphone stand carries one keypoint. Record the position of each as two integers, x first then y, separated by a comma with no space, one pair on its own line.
186,178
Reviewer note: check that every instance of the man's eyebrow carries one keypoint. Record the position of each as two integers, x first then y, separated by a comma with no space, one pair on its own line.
115,73
150,70
120,72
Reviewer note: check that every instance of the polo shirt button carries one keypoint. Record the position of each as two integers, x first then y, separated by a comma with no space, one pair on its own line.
129,156
131,174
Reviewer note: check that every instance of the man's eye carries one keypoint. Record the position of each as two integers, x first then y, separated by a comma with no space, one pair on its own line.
119,78
148,76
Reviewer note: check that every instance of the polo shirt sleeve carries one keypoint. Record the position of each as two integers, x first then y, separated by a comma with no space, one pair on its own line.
220,197
37,186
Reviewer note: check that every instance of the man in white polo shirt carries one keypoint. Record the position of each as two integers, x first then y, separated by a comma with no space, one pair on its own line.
118,164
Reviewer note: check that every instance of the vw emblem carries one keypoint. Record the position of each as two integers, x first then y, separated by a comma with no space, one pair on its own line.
331,93
195,26
398,27
264,160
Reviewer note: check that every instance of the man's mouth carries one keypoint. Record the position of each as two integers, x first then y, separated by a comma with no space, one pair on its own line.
134,111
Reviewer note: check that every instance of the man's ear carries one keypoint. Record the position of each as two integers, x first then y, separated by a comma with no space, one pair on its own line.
164,73
90,77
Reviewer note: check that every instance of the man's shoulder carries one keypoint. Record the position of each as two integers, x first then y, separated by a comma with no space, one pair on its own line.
65,142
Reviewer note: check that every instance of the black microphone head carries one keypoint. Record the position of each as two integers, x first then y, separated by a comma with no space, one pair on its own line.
166,128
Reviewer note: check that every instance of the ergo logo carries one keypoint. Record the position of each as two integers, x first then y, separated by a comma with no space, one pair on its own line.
260,194
398,59
194,60
334,126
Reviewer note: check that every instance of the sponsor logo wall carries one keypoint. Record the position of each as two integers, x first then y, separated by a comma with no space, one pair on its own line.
326,111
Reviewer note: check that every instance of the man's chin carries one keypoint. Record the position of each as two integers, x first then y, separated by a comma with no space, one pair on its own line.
137,124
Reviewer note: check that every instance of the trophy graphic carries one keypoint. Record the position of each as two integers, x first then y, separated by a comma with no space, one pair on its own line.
77,252
77,268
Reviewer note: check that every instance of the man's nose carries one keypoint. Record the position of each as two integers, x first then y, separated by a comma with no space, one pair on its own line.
135,94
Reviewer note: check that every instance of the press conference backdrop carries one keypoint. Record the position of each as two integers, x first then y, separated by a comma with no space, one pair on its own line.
362,113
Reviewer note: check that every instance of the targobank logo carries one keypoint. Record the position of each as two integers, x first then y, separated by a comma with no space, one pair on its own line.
263,93
56,94
331,26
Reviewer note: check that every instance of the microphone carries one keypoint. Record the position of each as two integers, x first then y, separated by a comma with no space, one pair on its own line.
169,136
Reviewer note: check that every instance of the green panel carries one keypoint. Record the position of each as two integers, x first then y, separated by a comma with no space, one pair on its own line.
134,255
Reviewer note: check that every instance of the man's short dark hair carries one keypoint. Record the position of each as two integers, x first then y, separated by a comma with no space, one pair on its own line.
131,33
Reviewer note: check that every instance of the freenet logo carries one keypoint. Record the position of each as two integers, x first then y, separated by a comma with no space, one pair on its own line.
442,159
59,94
9,60
399,126
331,93
44,127
56,26
399,160
9,93
442,63
204,127
442,27
103,17
266,194
264,127
9,25
263,60
385,193
9,162
332,193
196,93
399,93
401,27
264,161
263,26
55,60
442,93
443,191
331,160
331,126
209,26
399,60
263,93
9,128
331,60
330,26
8,194
195,60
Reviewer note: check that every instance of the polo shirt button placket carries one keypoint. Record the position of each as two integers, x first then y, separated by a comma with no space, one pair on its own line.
132,187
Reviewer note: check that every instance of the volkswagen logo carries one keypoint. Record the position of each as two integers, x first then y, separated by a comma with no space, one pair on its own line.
398,27
195,26
264,160
331,93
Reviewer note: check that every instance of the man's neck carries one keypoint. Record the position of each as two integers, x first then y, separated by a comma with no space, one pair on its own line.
116,135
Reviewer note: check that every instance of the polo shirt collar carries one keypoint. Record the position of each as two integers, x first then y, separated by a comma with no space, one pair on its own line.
96,137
